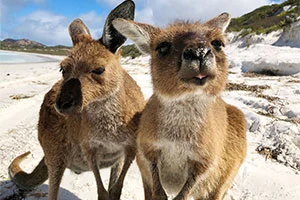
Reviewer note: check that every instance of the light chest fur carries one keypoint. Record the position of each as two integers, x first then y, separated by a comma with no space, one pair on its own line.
107,126
181,121
107,131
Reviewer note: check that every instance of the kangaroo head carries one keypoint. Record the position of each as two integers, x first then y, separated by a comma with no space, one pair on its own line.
185,57
92,70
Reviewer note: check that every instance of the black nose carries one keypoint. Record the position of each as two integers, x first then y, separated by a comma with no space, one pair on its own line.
195,53
70,95
66,102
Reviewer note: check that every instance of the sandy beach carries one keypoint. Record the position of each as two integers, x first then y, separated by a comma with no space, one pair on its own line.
23,86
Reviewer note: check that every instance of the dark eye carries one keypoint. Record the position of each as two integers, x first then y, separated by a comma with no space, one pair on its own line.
98,71
217,44
62,71
163,48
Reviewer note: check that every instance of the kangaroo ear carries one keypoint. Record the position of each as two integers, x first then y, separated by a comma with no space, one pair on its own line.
111,38
140,34
78,31
221,22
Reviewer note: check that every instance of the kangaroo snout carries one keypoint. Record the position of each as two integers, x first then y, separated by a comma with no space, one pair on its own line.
197,64
69,101
196,53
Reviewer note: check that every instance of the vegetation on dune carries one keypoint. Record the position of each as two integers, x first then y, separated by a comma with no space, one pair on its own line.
130,51
266,18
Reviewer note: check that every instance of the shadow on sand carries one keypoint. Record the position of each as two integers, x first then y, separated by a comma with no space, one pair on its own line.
9,191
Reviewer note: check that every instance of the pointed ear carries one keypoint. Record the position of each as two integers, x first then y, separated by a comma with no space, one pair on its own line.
221,22
140,34
111,38
78,31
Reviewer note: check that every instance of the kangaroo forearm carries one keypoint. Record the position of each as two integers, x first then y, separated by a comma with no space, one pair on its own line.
152,156
157,189
193,177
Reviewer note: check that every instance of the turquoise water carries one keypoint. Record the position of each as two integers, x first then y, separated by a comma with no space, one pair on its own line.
15,57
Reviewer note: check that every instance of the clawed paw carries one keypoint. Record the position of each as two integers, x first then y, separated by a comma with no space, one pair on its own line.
104,196
160,197
114,193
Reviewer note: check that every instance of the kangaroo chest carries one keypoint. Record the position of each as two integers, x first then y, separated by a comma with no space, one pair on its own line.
181,120
107,125
179,128
106,132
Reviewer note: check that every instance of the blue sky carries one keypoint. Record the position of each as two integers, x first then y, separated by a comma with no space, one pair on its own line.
47,21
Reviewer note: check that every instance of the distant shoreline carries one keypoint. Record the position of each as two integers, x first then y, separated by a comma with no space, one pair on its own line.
47,58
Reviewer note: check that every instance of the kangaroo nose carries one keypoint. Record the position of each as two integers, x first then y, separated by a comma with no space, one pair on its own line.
66,103
70,97
195,53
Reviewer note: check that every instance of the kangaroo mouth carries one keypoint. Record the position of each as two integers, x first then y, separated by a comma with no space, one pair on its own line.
200,79
197,78
66,112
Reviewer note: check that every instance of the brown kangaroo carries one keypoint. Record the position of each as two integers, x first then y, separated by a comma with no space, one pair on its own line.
190,142
89,119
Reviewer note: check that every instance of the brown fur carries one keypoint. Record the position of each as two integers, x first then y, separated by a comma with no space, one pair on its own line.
87,120
190,142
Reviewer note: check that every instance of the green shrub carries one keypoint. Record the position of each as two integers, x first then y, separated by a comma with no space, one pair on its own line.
130,51
266,18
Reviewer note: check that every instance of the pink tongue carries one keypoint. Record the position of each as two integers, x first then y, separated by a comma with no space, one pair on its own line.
201,76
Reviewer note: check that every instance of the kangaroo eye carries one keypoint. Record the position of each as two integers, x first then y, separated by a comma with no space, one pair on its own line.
217,44
98,71
163,48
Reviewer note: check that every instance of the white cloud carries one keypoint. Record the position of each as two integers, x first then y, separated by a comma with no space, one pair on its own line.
166,11
43,17
94,22
145,15
109,2
52,29
44,27
162,12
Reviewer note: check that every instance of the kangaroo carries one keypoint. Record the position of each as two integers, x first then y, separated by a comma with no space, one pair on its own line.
190,143
89,119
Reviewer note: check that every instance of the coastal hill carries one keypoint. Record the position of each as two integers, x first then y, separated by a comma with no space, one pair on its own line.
267,18
26,45
20,43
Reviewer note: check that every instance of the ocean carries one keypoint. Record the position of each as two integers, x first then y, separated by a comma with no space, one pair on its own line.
16,57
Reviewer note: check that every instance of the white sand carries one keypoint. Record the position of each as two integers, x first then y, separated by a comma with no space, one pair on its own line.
257,179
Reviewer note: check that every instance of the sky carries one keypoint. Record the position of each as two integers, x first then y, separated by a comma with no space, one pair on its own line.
47,21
